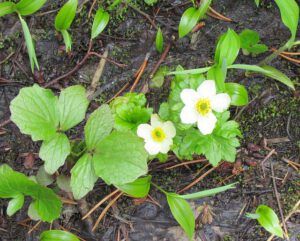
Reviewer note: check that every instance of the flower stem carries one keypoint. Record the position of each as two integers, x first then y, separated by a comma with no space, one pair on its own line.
159,188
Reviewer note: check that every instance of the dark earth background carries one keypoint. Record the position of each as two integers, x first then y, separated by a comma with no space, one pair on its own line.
270,121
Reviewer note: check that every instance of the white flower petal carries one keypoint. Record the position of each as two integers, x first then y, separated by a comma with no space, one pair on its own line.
166,145
207,89
144,131
152,147
169,129
188,115
220,102
156,121
189,96
206,124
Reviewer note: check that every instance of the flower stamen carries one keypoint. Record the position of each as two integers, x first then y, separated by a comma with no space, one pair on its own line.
203,106
158,134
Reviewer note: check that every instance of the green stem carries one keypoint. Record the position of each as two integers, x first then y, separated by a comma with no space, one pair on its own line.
159,188
274,55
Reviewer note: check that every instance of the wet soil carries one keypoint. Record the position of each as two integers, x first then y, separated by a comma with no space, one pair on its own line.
272,117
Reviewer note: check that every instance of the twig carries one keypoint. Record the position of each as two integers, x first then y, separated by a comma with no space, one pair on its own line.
7,58
294,210
100,203
142,13
214,13
34,227
118,93
278,202
265,159
91,9
160,61
67,201
186,163
106,209
197,180
142,69
4,123
97,74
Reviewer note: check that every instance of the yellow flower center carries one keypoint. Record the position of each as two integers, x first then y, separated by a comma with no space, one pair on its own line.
158,134
203,106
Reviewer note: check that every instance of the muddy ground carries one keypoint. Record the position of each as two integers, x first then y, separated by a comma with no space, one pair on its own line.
271,118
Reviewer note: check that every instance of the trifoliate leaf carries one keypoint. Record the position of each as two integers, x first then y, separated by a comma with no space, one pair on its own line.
72,105
58,235
183,213
43,177
13,184
54,152
100,21
83,176
120,158
98,126
129,111
35,112
15,204
137,189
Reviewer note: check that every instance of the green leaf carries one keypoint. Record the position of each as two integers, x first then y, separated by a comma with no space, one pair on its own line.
228,48
15,204
7,8
63,182
58,235
120,158
150,2
33,213
83,177
158,79
183,214
191,16
190,71
54,152
28,7
45,201
35,112
100,22
250,42
289,11
29,45
218,74
278,75
43,177
208,193
253,68
98,126
72,105
237,93
129,112
257,2
188,20
269,220
67,40
159,41
137,189
66,15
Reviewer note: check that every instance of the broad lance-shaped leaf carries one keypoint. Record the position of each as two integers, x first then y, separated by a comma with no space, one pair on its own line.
27,7
188,20
183,213
159,41
54,152
29,45
45,201
35,112
66,15
67,40
72,105
6,8
238,94
83,176
228,48
100,22
289,10
120,158
137,189
98,126
58,235
268,219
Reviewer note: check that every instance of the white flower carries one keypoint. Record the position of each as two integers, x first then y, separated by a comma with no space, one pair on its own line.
200,104
158,136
